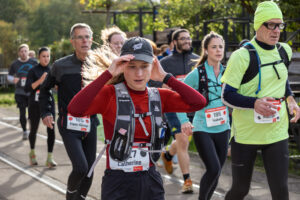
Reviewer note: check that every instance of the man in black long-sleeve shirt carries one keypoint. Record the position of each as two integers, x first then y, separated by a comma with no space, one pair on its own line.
78,134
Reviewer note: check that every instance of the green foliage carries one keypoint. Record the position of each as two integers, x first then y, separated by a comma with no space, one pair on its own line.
191,14
7,97
8,44
46,26
60,49
11,10
127,22
42,22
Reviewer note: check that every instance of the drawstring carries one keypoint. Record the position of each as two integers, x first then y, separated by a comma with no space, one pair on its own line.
143,125
98,158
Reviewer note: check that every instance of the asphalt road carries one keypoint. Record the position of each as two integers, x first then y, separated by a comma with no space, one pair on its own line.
19,181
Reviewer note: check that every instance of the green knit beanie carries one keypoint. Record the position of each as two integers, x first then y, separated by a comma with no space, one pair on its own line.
264,12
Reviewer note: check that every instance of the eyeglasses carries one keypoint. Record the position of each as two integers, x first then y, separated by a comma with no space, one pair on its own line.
185,38
272,26
117,43
82,37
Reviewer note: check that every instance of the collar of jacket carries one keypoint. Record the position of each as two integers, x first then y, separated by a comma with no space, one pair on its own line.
75,59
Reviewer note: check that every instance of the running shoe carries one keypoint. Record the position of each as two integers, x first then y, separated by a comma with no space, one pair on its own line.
25,135
159,163
187,186
175,159
167,164
32,159
51,163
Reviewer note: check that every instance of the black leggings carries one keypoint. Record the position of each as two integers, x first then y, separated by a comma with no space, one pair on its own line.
34,118
212,149
23,119
81,150
276,160
22,103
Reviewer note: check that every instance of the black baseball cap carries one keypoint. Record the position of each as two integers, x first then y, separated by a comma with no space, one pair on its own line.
140,48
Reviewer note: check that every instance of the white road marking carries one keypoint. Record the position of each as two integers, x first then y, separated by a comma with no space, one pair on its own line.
31,173
10,118
173,179
19,129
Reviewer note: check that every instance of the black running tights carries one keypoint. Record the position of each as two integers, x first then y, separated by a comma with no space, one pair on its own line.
212,149
23,119
81,150
34,119
276,160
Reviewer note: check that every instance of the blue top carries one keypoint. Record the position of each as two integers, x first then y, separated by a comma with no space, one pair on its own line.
215,89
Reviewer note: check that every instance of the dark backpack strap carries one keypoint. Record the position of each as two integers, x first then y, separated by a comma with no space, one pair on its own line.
283,55
157,123
121,143
253,67
203,82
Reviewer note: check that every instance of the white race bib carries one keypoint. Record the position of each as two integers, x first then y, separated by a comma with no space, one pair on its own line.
216,116
23,81
258,118
180,77
138,161
79,123
37,94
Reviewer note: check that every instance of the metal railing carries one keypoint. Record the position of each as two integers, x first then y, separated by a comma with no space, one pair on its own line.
3,79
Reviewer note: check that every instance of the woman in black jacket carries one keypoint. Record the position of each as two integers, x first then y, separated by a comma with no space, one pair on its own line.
35,78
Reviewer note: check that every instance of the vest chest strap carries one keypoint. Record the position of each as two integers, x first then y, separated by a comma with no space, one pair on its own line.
142,115
142,145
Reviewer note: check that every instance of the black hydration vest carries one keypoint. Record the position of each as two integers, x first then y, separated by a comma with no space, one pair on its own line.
203,83
255,63
122,140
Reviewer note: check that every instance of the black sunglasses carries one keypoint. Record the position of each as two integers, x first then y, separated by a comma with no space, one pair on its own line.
272,26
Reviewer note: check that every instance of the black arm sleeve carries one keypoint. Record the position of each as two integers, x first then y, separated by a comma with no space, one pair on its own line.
235,100
288,90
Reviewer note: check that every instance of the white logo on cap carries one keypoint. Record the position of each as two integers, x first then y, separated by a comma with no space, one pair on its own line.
137,46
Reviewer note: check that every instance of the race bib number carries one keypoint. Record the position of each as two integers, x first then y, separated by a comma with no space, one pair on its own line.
37,94
258,118
23,81
79,123
138,161
180,77
216,116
